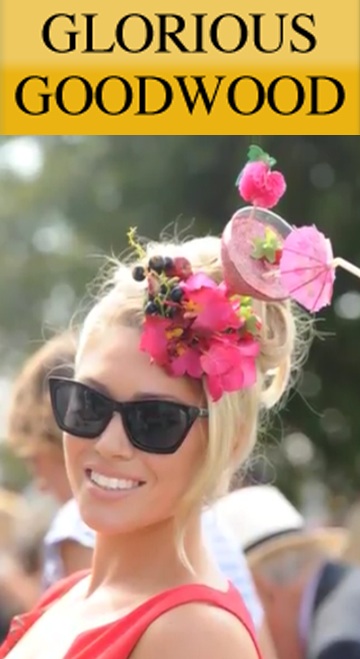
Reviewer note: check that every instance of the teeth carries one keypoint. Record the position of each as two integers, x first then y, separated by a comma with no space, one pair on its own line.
113,483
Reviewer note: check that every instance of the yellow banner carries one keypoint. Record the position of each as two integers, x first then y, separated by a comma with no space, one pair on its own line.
86,67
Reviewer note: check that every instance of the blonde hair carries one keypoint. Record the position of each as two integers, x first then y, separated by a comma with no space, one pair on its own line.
234,419
30,419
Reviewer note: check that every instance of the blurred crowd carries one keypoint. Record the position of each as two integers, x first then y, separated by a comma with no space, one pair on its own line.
301,585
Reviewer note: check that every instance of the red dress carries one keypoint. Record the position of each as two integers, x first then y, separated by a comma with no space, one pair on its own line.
116,640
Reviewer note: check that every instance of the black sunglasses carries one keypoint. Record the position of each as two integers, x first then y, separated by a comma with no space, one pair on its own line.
154,426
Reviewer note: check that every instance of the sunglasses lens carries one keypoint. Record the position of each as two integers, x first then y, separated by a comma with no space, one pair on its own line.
156,426
79,410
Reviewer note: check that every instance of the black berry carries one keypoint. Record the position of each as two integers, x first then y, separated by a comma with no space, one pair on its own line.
139,273
151,309
176,294
163,289
156,263
168,264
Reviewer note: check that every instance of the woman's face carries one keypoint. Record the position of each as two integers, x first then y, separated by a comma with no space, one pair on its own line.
149,486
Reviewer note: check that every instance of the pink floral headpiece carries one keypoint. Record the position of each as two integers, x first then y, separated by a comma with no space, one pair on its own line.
193,326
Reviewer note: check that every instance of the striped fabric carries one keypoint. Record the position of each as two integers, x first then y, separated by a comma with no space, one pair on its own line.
66,525
232,562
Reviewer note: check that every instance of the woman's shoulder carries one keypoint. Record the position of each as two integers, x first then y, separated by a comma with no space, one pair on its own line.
175,622
193,629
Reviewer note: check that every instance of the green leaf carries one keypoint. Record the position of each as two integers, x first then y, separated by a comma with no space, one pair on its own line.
250,325
271,239
255,153
246,301
258,248
266,248
269,253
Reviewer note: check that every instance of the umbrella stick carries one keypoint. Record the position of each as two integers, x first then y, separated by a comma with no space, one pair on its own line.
342,263
252,213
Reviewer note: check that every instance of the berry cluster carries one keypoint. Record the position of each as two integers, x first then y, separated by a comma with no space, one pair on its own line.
163,276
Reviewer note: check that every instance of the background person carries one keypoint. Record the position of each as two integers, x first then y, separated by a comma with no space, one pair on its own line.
34,436
310,594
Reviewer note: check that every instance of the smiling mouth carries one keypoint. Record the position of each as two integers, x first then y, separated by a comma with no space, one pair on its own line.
112,484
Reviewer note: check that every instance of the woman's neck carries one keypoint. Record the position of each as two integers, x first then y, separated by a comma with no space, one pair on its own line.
147,560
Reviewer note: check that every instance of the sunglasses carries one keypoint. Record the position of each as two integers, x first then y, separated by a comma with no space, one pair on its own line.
154,425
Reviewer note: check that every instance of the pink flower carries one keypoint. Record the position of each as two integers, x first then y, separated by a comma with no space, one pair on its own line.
261,186
197,281
154,338
229,367
187,362
204,339
208,304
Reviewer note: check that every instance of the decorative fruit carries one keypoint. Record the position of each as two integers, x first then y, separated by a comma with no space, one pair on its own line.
138,273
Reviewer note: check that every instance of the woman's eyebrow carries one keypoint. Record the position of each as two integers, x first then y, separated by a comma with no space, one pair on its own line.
150,395
95,384
140,395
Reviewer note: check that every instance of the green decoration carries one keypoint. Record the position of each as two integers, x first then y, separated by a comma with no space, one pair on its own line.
267,248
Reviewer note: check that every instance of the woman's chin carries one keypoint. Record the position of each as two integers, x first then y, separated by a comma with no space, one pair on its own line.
122,519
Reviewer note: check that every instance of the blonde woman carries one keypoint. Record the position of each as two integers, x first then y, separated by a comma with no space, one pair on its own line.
35,437
171,373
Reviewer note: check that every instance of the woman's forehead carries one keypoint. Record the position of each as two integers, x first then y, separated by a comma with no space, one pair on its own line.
114,359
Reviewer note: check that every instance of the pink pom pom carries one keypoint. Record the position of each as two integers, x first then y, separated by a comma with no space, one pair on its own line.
261,186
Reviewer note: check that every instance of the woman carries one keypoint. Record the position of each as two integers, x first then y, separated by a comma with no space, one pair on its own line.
171,374
34,436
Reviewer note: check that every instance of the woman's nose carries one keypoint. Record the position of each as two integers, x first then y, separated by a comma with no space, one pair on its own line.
114,442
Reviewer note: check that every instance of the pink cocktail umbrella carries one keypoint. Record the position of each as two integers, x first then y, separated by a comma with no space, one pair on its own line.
307,267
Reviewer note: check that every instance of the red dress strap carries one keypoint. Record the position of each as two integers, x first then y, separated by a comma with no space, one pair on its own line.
118,640
155,607
21,623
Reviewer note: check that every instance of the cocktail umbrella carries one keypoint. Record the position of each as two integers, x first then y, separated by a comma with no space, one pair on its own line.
307,267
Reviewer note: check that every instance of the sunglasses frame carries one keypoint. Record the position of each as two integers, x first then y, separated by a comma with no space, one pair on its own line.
191,411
